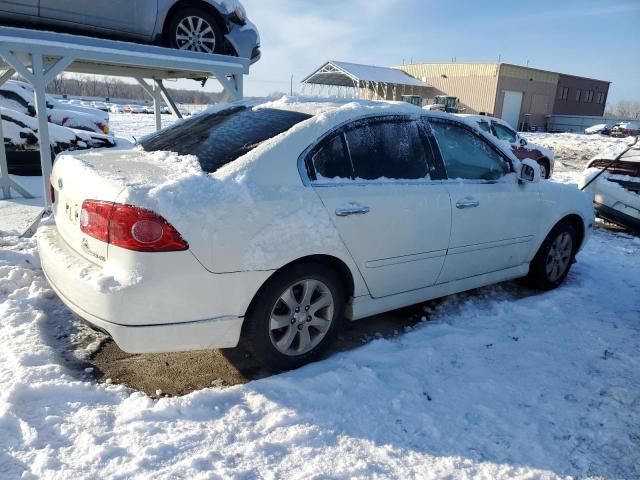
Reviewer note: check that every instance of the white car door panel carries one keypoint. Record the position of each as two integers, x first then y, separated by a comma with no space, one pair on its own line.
494,217
393,220
129,16
494,235
401,243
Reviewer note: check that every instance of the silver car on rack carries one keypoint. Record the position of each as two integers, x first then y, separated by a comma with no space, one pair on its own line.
208,26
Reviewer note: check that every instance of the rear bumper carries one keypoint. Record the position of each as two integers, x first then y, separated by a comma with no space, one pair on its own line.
174,305
223,332
617,217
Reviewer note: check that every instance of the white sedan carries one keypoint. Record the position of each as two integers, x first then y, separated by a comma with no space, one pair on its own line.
267,224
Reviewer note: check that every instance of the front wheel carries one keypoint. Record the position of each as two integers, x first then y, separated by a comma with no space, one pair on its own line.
295,316
196,30
552,263
544,169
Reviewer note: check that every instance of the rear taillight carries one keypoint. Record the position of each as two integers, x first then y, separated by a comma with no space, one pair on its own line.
94,219
129,227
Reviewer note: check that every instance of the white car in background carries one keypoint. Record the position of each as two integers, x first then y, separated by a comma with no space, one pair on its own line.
265,224
616,192
19,96
520,147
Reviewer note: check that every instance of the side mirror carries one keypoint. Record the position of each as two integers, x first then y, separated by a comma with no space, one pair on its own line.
523,142
529,171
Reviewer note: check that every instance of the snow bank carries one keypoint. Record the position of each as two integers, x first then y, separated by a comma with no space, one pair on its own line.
499,384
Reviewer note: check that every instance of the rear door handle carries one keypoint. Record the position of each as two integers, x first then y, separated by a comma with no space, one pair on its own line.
352,209
467,203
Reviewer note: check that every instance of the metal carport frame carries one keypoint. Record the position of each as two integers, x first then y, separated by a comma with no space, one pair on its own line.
40,56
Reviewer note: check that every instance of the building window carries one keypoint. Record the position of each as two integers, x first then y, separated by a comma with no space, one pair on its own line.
563,93
601,98
588,96
578,94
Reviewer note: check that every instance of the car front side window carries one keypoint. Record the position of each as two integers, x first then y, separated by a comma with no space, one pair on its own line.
466,155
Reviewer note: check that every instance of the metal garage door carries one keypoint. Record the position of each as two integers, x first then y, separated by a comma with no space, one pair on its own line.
511,107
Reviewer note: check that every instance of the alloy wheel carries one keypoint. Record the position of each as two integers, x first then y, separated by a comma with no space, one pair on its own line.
301,317
195,34
559,256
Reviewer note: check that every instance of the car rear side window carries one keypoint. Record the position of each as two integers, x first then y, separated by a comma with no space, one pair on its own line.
466,155
504,133
221,138
388,149
332,160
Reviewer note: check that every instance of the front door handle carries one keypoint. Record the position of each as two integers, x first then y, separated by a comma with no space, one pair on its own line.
352,209
467,203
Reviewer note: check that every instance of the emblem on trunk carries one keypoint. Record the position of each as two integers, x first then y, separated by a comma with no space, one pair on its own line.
60,184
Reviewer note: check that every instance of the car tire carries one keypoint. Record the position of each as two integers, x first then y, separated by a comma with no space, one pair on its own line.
193,29
544,168
282,330
552,263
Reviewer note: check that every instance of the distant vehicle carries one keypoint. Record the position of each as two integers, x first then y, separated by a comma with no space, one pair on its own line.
23,149
626,129
520,146
133,109
601,128
616,193
101,106
209,26
19,96
447,104
116,109
316,212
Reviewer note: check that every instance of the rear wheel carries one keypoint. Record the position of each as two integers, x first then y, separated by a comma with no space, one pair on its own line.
195,30
295,316
552,263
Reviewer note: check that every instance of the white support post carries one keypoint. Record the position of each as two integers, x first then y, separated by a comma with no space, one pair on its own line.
155,94
40,94
168,100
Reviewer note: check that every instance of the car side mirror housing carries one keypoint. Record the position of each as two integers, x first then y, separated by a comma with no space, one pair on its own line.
523,142
529,171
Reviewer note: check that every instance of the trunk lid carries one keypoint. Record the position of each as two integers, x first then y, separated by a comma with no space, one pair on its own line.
96,176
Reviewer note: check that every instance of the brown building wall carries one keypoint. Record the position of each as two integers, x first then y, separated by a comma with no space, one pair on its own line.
537,99
574,106
474,84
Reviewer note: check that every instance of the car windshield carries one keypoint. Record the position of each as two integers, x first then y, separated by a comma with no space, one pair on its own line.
222,137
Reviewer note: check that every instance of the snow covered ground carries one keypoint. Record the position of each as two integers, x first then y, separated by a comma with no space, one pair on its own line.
501,382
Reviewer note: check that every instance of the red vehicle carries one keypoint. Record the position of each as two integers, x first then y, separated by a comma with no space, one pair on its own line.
520,147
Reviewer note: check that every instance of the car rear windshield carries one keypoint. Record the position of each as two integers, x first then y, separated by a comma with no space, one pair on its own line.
222,137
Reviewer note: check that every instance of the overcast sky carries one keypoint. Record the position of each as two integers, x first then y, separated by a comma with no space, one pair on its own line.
597,39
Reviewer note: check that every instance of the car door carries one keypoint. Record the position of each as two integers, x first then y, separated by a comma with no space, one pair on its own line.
494,216
137,17
21,7
374,178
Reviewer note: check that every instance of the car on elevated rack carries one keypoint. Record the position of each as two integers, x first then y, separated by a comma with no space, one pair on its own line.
266,224
208,26
519,145
616,192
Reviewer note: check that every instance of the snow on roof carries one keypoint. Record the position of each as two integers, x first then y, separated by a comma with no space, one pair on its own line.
351,74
